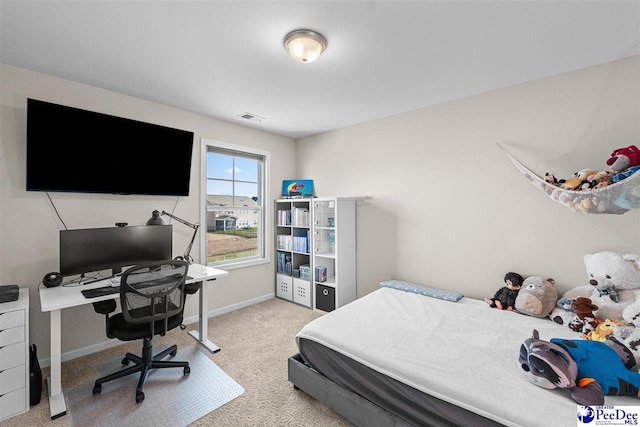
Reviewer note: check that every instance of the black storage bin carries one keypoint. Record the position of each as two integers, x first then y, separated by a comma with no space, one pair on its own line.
325,298
9,293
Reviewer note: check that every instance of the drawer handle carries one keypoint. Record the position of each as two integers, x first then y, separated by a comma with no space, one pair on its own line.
325,292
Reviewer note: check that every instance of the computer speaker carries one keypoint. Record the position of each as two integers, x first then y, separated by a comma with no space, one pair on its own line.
52,279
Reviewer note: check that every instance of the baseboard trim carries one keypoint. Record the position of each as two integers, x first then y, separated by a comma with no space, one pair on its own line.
74,354
230,308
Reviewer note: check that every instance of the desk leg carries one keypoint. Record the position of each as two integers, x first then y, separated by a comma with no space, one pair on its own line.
54,382
202,334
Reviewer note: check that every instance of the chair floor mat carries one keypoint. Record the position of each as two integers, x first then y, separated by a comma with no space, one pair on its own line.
171,399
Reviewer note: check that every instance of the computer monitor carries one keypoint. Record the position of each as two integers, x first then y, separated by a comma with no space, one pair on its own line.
95,249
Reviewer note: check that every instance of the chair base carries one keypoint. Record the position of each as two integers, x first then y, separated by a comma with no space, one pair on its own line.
143,365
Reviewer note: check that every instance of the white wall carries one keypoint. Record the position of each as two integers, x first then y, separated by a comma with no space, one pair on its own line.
29,227
448,209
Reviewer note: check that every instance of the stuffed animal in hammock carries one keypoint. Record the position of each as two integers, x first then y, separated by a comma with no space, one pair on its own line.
505,298
589,369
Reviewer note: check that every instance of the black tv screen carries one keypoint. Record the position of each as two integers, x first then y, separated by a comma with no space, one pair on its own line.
80,151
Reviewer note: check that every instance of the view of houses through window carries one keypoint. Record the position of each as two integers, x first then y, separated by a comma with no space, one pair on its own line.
235,212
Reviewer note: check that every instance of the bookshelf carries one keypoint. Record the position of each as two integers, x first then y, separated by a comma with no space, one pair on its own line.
293,250
315,251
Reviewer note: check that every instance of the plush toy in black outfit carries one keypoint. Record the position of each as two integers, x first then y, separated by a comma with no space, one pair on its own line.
505,298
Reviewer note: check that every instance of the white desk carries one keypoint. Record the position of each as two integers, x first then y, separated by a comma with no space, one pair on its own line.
55,299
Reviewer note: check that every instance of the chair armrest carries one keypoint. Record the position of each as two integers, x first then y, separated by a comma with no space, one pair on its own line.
105,307
192,288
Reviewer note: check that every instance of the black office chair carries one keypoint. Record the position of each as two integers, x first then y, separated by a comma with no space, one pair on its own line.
152,298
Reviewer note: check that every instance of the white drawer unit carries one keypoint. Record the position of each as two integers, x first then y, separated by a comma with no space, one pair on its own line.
14,356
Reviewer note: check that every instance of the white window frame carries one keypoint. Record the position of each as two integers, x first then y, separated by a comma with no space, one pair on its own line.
265,230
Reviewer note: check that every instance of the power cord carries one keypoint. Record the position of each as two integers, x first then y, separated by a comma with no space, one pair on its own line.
56,210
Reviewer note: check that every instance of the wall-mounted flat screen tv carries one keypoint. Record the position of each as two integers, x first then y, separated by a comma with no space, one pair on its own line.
80,151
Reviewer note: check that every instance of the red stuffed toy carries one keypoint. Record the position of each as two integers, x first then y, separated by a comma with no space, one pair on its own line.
624,158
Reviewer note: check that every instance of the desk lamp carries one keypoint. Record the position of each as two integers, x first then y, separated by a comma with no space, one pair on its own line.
156,220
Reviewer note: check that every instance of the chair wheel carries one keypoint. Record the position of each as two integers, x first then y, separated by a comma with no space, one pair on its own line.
173,353
186,371
97,389
125,361
139,396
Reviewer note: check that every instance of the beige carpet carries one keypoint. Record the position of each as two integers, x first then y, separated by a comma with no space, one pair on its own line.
255,343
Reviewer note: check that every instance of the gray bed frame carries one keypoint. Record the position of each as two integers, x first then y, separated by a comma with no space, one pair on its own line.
363,412
351,406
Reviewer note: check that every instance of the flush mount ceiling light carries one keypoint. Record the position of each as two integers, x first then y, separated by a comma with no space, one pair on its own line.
305,45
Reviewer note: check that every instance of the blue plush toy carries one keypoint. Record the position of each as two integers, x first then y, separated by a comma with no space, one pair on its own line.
589,369
624,174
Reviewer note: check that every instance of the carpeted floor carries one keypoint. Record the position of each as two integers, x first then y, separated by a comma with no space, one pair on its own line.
255,343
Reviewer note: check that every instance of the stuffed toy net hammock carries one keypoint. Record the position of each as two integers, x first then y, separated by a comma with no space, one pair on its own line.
616,198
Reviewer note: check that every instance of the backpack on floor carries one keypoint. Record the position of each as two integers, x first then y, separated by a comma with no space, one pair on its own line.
35,376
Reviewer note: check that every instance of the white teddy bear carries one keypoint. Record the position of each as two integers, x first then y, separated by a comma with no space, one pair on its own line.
614,284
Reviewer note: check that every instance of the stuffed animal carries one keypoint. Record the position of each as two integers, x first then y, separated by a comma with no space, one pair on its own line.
630,198
600,179
628,331
624,158
603,330
584,321
624,174
505,298
574,183
605,286
605,270
551,179
564,303
589,369
537,297
588,178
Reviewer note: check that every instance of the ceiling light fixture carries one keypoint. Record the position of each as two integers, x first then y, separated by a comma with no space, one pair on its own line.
305,45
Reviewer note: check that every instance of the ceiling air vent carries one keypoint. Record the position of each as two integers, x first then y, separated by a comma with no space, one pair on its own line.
251,117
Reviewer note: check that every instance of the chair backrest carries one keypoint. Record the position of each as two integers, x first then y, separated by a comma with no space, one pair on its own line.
153,291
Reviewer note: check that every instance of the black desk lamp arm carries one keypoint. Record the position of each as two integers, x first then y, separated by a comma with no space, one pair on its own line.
195,227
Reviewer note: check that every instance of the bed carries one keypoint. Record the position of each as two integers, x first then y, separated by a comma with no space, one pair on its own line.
400,358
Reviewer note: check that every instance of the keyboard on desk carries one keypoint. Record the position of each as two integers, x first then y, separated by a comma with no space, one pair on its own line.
102,291
107,290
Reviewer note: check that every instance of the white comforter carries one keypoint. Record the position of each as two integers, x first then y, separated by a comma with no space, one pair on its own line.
464,353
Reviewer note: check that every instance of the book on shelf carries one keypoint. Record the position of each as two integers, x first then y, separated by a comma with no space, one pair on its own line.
284,263
301,217
284,217
301,244
284,242
321,274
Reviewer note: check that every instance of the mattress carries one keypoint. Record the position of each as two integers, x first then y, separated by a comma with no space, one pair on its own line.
462,353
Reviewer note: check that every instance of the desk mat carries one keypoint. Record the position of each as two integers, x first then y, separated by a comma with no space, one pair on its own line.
170,398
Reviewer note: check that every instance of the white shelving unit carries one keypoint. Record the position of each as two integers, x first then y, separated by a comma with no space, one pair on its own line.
293,250
334,252
315,251
14,356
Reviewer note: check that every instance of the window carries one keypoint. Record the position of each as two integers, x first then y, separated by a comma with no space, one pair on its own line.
234,193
